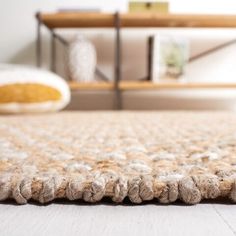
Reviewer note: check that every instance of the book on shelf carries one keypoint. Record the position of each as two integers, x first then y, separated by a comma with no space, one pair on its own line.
149,6
168,57
79,9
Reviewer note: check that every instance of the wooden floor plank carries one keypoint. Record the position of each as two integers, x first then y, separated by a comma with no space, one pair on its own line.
102,219
228,214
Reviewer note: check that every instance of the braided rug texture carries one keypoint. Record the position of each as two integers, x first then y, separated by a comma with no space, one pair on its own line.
160,156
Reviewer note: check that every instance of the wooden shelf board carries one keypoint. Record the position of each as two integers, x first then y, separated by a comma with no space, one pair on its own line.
87,20
77,20
91,86
178,20
129,85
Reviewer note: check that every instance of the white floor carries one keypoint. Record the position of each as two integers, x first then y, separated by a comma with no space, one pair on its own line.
104,219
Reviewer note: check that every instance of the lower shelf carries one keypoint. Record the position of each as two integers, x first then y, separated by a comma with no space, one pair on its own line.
129,85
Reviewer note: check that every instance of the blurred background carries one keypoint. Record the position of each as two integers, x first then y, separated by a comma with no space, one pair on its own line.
18,29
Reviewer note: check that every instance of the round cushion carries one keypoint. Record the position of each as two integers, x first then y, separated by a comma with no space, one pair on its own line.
29,90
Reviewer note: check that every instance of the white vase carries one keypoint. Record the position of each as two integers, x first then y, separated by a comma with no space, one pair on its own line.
82,60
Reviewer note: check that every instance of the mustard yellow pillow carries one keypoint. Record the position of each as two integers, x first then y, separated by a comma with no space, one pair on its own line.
29,90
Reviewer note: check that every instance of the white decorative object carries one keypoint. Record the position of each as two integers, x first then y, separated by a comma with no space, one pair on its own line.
82,59
30,90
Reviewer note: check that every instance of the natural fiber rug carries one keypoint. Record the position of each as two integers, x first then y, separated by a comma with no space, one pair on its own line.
140,155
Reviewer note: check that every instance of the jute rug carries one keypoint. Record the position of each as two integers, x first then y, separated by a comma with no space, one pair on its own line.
144,156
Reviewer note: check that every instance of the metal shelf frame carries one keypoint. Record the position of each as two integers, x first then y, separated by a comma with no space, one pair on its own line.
118,21
55,36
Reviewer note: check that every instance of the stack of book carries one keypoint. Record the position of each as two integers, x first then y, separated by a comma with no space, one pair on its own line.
78,9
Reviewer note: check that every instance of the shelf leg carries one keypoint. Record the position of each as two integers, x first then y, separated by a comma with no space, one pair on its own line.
118,99
53,51
38,41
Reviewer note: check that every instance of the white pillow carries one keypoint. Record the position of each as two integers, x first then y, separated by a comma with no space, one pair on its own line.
29,90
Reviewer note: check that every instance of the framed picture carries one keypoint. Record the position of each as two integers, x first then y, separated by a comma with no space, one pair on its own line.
168,57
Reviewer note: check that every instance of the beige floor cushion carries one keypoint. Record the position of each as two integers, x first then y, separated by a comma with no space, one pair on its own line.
29,90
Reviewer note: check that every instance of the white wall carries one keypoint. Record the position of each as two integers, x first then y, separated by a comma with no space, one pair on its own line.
18,32
18,24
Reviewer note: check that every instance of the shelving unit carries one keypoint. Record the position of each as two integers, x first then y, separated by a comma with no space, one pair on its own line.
118,21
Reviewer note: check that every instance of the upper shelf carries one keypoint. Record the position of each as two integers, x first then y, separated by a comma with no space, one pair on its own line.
100,20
